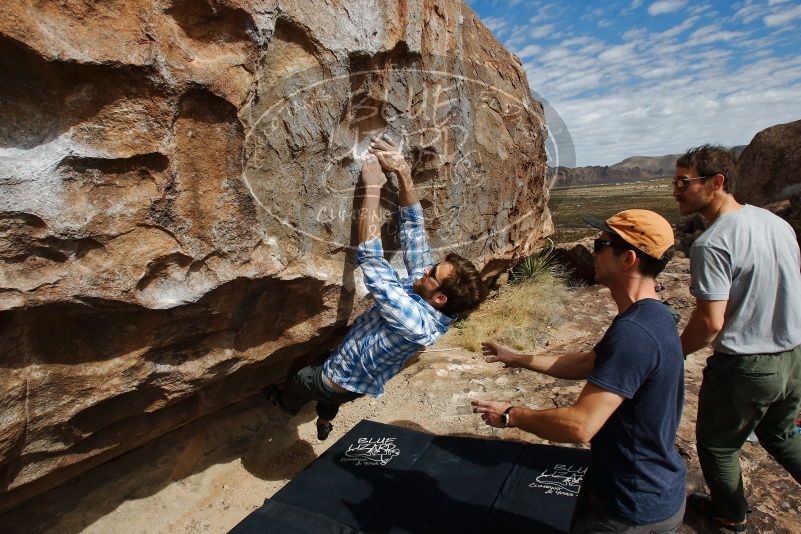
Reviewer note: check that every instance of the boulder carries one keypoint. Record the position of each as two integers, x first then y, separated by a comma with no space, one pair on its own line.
769,169
687,229
177,184
769,172
577,259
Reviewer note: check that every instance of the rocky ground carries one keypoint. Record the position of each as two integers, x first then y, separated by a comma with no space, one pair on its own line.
210,474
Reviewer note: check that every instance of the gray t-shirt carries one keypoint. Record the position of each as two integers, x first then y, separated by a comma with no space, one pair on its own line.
750,257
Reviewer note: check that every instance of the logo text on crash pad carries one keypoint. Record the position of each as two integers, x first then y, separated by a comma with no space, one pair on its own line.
560,480
372,451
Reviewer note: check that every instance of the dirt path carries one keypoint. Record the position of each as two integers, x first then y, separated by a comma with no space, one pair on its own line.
207,476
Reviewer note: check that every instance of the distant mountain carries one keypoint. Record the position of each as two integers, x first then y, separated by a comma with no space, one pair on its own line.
630,169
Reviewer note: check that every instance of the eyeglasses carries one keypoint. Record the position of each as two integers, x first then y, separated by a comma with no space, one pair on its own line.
681,182
599,244
432,273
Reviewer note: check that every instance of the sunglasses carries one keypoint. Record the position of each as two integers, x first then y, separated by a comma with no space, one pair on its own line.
599,244
432,273
681,182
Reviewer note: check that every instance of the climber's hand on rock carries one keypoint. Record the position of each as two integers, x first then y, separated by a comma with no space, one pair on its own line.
372,175
388,154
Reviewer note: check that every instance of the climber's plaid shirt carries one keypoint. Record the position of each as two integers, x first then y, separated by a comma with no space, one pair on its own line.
399,323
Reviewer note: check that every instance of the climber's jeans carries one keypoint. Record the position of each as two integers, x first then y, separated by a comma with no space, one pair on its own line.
740,394
308,385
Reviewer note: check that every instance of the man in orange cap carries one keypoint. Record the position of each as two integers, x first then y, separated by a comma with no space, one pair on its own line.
630,408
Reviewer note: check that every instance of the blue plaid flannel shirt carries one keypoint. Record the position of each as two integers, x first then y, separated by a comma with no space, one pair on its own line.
400,322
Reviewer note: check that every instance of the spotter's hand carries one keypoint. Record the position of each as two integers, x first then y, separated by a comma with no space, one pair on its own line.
495,353
491,411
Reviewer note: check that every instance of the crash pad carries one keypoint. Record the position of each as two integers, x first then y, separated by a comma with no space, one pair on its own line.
385,478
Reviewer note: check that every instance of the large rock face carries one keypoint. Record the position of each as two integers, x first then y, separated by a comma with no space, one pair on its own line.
769,169
769,172
178,189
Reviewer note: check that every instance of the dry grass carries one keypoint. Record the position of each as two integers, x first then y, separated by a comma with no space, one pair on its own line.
516,316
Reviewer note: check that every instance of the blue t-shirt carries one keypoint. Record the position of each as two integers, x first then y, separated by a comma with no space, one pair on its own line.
636,471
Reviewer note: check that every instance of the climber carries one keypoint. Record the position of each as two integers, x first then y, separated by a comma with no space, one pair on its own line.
408,314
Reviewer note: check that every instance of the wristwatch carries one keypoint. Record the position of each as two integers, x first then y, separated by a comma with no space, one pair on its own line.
505,417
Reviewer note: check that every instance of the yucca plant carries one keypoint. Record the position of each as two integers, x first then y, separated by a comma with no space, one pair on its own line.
534,267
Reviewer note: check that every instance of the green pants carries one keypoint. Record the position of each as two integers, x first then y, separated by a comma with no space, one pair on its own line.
741,394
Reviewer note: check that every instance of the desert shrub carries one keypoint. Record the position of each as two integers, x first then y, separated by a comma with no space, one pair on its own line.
535,266
518,314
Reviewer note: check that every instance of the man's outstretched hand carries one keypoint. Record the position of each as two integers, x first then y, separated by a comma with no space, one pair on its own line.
372,175
389,155
491,411
495,353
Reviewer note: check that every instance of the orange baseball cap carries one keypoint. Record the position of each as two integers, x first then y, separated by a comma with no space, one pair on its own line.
645,230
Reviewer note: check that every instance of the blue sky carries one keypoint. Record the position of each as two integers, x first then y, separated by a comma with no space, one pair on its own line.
640,77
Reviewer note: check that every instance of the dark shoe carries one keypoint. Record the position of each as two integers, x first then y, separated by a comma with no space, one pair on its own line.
702,503
323,430
273,394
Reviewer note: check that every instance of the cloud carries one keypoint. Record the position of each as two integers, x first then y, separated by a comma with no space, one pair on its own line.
617,53
529,50
635,91
637,125
659,72
634,33
778,19
665,6
698,9
592,48
712,34
580,82
592,14
636,98
556,53
578,41
727,108
495,24
631,7
547,12
750,12
679,29
542,31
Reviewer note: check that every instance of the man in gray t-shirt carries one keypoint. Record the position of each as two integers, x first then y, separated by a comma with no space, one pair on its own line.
749,257
746,278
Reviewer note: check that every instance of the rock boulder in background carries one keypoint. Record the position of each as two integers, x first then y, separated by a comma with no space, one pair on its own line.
769,169
177,183
769,172
577,259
